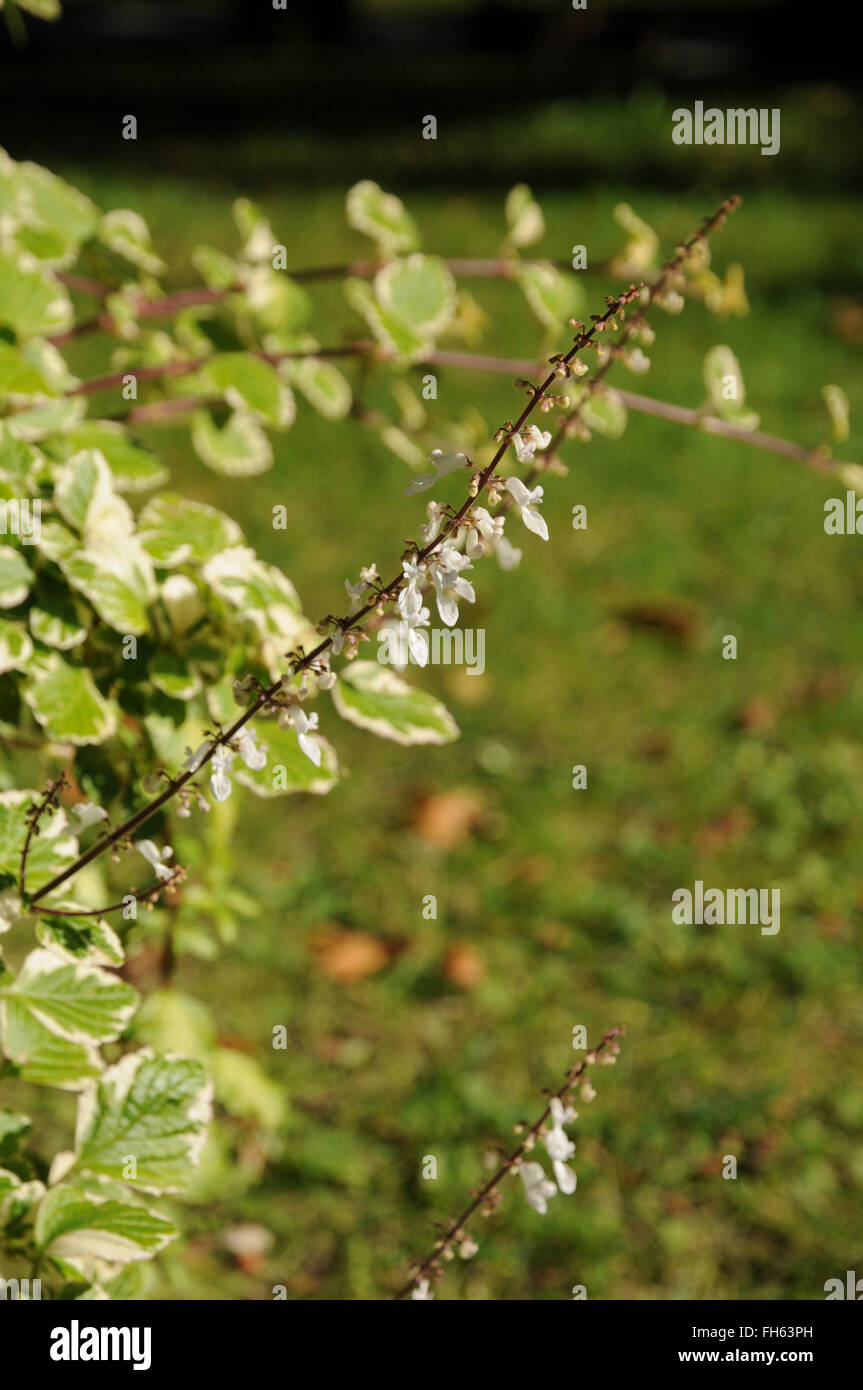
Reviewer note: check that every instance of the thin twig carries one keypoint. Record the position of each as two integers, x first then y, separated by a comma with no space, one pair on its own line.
47,799
159,886
816,458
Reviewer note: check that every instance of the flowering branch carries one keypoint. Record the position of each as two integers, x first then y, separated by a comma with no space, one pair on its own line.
537,1188
386,593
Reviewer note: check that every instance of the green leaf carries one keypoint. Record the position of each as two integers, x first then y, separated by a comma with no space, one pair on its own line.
523,217
79,938
53,1015
420,291
43,9
18,460
12,1129
288,769
53,849
16,648
19,378
54,417
16,577
48,205
257,590
640,252
32,302
246,383
153,1108
838,409
726,394
323,386
57,542
375,698
169,1021
85,497
174,677
126,233
76,1000
391,332
553,297
381,216
119,590
133,469
240,449
54,622
17,1197
80,1226
245,1090
174,530
218,271
65,701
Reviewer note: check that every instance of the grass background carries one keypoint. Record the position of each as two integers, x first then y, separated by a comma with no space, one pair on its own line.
746,773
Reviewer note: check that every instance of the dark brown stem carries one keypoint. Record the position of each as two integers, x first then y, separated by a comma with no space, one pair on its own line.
53,788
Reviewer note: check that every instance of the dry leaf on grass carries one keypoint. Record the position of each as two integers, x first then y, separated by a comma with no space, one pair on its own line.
464,966
445,818
347,956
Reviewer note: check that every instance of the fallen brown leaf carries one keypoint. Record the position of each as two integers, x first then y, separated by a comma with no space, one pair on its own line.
464,966
444,818
348,956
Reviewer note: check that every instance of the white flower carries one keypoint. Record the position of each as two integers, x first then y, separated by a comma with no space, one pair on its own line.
253,754
305,725
326,677
526,444
417,642
87,813
508,555
156,857
369,573
443,571
194,760
485,527
355,593
468,1248
443,464
429,532
421,1291
526,501
220,782
410,598
537,1188
560,1147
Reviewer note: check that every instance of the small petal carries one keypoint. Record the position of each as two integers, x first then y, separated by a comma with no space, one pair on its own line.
535,522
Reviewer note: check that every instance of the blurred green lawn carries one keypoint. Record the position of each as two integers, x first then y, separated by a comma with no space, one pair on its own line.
743,773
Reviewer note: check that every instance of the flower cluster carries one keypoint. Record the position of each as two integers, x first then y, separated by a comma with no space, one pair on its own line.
559,1147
